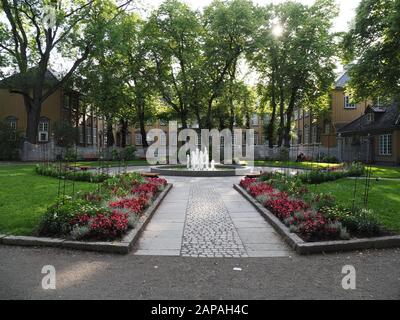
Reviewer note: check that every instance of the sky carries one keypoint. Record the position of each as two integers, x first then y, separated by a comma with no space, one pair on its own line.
347,8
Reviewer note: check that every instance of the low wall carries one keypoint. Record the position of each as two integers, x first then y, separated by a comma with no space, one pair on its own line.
312,151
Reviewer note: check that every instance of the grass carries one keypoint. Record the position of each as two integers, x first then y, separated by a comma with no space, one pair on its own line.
25,196
296,165
384,197
377,171
386,172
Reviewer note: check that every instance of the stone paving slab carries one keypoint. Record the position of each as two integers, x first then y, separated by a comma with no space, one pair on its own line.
208,218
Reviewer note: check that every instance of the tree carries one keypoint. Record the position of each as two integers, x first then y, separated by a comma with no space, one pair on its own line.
372,48
34,31
296,63
173,36
229,28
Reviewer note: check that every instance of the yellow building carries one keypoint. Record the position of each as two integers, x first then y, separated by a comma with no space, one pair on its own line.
315,130
63,105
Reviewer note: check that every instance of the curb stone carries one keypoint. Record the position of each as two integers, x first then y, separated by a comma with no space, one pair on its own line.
121,247
303,248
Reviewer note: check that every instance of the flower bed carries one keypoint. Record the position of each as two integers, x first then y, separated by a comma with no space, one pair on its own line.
313,217
105,215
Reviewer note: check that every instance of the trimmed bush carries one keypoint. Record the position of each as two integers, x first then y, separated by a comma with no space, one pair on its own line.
55,172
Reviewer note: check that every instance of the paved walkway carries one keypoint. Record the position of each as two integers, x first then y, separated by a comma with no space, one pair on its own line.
206,217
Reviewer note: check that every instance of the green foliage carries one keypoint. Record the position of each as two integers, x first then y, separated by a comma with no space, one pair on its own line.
71,155
129,153
10,141
64,134
319,176
360,222
57,219
65,173
372,49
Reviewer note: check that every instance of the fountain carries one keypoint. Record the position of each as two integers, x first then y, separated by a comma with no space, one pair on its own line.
198,165
199,161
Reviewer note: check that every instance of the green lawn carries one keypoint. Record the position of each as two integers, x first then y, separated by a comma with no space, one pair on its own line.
293,164
377,171
386,172
24,197
384,197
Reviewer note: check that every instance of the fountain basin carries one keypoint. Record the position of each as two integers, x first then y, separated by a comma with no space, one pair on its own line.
220,171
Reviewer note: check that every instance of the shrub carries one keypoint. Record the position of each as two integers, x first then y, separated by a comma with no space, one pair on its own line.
57,172
65,134
128,153
10,141
283,154
360,222
356,169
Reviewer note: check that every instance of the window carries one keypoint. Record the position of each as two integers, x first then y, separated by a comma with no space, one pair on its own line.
12,122
348,104
314,133
43,132
306,135
385,145
138,139
66,101
255,138
254,120
327,128
88,135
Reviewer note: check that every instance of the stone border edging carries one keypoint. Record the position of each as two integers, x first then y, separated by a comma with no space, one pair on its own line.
168,170
122,247
302,247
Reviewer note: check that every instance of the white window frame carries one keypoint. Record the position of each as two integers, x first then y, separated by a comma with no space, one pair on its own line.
43,129
347,104
254,119
385,144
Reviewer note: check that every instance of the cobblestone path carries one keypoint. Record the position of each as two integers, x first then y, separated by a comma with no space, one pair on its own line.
209,230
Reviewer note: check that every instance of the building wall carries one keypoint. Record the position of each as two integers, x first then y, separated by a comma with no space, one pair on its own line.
341,115
391,159
12,104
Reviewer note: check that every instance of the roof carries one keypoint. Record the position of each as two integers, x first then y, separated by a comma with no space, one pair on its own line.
342,80
385,119
18,80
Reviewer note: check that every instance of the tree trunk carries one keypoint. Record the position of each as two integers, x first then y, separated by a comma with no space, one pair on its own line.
281,115
124,132
289,114
143,133
183,116
110,134
271,127
33,117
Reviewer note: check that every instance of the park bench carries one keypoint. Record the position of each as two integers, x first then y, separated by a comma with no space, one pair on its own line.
149,175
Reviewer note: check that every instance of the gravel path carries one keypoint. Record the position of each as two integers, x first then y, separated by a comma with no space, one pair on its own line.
84,275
